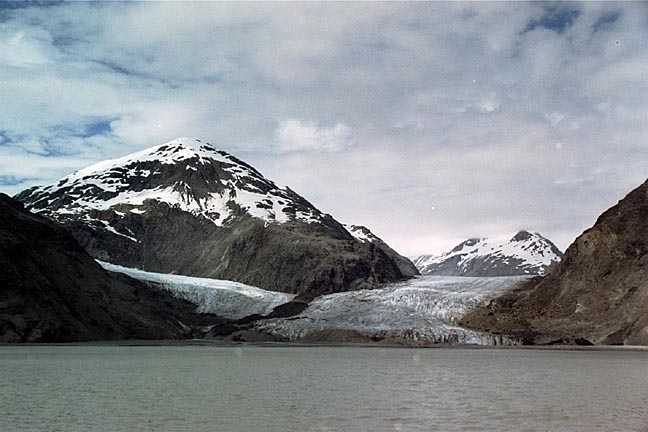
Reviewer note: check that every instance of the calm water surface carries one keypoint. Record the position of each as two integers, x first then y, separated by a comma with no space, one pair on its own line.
252,388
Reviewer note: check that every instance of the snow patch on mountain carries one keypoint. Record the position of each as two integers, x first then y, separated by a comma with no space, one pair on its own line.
228,299
361,233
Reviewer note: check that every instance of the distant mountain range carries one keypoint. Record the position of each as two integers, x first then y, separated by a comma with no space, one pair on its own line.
184,207
525,253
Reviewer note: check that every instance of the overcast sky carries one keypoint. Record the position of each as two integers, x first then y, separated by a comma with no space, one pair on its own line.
427,122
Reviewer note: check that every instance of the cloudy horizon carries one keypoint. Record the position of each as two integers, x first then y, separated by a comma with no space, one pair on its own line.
427,122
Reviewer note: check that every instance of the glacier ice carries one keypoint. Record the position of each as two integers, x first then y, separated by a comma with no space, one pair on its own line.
422,310
228,299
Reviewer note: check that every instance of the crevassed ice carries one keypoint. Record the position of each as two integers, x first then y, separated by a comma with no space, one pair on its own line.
422,309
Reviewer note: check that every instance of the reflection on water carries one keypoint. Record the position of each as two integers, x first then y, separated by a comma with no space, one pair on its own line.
252,388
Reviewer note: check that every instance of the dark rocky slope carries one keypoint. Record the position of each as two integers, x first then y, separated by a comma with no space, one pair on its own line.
187,208
51,290
365,235
598,294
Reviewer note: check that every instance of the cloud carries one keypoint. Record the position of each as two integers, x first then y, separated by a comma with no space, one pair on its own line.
9,180
298,135
556,17
427,122
20,48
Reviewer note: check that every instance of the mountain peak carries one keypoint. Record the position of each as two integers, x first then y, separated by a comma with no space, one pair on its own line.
467,243
185,144
522,235
361,233
184,173
183,148
364,235
174,151
525,254
189,142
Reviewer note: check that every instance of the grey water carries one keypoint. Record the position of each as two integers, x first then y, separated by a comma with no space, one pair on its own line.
289,388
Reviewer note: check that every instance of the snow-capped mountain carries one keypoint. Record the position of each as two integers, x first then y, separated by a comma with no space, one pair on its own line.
598,294
186,174
185,207
525,254
362,233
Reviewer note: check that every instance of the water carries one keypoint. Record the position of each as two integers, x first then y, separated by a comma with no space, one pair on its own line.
255,388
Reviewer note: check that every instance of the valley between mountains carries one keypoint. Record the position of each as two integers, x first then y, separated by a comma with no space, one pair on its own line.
183,240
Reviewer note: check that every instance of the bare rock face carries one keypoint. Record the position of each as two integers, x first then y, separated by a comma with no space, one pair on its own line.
51,290
184,207
598,294
525,254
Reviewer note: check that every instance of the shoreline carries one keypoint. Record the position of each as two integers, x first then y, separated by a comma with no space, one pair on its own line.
232,344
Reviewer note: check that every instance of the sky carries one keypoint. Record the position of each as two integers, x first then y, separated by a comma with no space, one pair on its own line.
427,122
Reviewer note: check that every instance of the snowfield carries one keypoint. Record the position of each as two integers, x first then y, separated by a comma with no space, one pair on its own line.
228,299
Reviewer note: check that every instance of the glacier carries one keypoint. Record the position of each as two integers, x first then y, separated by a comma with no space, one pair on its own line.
420,311
232,300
